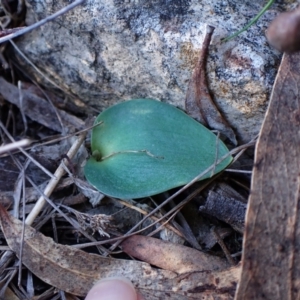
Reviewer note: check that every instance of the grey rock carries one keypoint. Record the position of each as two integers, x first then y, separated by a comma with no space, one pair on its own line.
107,51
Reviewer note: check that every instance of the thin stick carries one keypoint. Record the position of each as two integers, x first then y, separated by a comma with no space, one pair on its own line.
27,142
223,246
54,181
41,22
15,145
66,136
23,225
238,171
24,152
21,106
6,31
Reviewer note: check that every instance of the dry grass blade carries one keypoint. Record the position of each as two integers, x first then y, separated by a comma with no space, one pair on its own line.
271,257
75,271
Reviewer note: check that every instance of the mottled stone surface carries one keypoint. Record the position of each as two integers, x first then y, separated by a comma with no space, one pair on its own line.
107,51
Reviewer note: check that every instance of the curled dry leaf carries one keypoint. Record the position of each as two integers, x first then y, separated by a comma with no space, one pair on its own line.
75,271
169,256
271,256
198,101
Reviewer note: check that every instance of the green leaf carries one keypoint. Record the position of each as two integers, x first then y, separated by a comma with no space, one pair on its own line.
144,147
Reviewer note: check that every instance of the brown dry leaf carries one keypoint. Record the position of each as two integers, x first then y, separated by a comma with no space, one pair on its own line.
198,102
37,108
75,271
271,257
169,256
56,100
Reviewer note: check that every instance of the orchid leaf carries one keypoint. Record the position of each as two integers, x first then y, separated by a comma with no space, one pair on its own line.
144,147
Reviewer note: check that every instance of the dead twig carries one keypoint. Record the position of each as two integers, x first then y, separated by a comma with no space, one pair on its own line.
41,22
24,152
15,145
54,181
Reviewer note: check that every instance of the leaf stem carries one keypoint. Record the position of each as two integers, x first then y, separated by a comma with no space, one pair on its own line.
130,151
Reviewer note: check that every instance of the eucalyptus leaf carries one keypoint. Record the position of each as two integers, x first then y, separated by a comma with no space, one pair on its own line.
143,147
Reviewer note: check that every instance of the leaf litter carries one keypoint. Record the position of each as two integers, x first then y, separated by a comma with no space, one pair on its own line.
210,277
76,271
32,105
